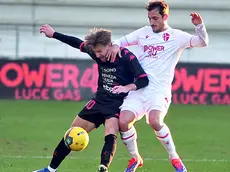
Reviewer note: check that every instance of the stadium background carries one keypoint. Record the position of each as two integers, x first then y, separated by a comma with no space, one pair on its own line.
30,129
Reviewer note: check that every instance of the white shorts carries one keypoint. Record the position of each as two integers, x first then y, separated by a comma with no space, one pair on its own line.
141,103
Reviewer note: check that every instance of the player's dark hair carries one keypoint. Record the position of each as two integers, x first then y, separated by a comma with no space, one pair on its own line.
97,36
159,5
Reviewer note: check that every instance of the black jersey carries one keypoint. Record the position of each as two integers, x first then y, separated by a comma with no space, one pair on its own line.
123,71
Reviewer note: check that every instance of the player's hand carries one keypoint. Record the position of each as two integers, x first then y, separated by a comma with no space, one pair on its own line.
196,18
120,89
112,53
47,30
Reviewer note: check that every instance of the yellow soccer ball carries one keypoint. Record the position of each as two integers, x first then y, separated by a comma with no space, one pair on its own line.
76,138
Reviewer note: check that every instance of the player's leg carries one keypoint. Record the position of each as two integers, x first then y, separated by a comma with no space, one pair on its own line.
86,119
156,121
61,151
109,148
131,110
128,132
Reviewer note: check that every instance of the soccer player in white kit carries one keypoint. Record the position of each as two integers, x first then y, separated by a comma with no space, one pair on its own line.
160,47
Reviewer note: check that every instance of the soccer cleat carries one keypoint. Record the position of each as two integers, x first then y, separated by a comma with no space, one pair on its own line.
141,163
134,164
178,165
102,168
43,170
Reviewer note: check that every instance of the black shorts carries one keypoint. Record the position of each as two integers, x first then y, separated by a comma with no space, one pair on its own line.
97,111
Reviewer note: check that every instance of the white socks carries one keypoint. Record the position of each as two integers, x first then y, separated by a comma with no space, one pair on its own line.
164,136
51,169
129,138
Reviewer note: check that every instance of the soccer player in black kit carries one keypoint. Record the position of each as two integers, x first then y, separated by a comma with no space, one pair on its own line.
114,82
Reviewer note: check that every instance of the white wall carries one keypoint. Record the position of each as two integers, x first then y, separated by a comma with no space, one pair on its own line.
109,15
75,17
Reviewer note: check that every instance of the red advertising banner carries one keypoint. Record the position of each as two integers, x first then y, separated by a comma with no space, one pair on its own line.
201,84
75,80
44,79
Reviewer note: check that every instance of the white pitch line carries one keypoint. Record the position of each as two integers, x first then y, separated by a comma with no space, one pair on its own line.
95,158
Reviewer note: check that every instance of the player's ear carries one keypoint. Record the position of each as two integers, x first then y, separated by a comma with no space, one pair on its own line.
166,16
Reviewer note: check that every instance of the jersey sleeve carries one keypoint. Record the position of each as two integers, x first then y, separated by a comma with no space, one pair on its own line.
141,79
75,43
184,39
199,40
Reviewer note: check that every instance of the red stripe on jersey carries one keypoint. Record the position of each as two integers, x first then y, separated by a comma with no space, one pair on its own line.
131,57
126,51
81,46
141,76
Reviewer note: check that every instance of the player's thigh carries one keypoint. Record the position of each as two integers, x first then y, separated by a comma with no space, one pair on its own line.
157,107
133,105
79,122
111,126
90,116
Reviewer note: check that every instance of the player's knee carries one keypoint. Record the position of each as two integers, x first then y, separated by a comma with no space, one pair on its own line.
155,122
155,125
126,120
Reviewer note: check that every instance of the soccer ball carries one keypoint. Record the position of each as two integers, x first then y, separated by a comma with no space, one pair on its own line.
76,138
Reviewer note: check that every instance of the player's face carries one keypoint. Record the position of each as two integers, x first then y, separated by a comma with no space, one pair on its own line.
156,21
100,51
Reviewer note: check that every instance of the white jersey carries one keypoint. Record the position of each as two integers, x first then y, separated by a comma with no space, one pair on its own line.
158,53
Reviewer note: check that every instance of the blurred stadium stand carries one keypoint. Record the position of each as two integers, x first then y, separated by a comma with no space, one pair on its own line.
20,21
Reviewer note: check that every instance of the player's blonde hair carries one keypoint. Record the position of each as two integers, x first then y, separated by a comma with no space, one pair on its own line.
97,36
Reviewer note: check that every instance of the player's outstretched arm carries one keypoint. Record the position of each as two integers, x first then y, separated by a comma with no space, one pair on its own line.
70,40
201,39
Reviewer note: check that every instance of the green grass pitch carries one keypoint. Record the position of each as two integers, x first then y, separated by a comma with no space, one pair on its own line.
30,130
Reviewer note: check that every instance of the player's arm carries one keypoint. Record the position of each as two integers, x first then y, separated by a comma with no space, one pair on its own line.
141,79
76,43
70,40
200,39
